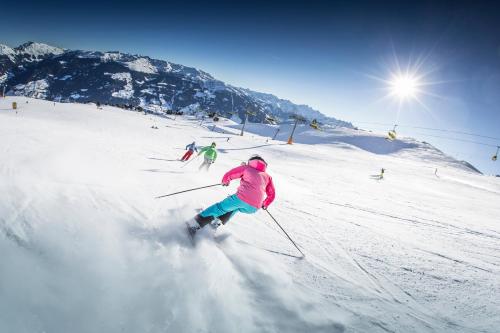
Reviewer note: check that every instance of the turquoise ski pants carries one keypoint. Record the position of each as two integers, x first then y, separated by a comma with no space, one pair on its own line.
230,204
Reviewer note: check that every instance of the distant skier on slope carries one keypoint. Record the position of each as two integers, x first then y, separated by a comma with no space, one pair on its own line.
191,148
210,156
256,191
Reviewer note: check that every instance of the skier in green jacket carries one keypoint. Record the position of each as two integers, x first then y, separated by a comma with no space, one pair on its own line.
210,156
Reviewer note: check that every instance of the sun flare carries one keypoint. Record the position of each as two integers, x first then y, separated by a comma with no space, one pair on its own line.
404,86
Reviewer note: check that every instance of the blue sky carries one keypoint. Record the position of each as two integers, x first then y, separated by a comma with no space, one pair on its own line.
321,53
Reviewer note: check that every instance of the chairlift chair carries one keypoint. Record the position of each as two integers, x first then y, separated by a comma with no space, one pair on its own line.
391,135
314,124
494,157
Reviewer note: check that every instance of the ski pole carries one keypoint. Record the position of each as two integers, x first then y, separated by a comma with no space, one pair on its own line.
192,189
291,240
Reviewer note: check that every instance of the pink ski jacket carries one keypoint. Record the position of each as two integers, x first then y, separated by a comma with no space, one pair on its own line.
254,184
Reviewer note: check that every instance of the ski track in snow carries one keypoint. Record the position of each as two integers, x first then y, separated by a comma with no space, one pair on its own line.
86,247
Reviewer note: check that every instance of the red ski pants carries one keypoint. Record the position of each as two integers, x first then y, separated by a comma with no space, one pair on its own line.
187,155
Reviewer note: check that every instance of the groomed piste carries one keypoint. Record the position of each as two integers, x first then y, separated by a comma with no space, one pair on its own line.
86,247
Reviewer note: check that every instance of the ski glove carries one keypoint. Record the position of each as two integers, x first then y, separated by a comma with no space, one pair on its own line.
225,184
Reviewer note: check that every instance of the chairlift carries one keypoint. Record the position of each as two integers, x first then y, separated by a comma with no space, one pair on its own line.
391,135
494,157
270,120
298,118
247,112
314,124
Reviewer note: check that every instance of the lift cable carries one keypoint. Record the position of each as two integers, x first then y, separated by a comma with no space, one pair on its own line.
431,129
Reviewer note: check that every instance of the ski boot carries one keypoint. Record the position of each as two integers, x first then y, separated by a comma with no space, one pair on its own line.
221,220
203,220
216,223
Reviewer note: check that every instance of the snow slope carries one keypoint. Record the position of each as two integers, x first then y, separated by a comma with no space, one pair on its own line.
86,247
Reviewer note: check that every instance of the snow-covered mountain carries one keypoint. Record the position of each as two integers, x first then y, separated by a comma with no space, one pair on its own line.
8,52
43,71
284,107
36,51
86,247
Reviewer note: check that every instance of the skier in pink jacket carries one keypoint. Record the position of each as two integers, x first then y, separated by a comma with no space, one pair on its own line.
256,191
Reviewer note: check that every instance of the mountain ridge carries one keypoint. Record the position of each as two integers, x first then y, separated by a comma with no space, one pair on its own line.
43,71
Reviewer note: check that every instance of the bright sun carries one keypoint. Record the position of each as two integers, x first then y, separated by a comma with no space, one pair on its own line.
407,83
404,86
